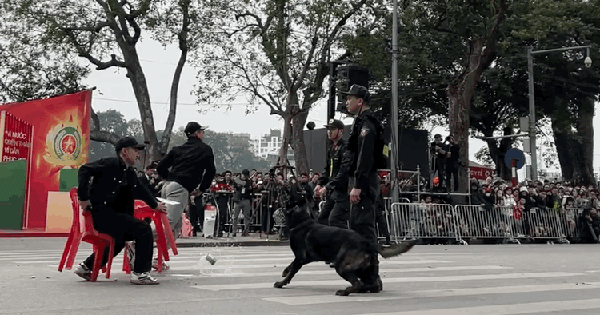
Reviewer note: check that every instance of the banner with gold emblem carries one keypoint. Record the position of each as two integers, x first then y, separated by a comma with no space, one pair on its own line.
61,142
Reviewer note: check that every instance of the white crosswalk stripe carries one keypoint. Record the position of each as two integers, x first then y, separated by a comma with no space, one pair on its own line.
422,283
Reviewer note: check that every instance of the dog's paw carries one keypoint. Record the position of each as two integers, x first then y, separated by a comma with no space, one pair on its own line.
342,292
279,284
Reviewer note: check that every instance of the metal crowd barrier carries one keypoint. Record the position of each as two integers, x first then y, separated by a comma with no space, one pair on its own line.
424,221
464,223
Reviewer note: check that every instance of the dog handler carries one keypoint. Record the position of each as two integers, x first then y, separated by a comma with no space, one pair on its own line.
366,143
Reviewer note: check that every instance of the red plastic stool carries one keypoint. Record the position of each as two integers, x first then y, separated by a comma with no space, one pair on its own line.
90,235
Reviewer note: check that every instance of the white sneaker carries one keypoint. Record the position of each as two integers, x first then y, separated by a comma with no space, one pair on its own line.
164,264
83,272
143,278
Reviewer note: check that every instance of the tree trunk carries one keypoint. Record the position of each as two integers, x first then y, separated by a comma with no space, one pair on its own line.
142,95
166,137
480,54
298,144
460,96
285,140
563,144
575,148
585,131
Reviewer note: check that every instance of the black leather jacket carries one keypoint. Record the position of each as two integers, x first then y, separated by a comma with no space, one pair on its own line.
190,164
110,183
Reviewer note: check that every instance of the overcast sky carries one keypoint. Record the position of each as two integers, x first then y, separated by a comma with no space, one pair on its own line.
114,92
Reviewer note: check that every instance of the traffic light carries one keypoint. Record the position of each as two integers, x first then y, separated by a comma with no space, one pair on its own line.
346,76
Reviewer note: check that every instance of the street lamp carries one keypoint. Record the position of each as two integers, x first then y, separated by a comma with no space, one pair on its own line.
530,53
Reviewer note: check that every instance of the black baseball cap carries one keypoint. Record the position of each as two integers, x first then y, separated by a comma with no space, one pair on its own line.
334,124
360,91
128,142
192,127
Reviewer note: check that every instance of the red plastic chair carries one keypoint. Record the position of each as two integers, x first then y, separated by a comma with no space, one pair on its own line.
89,234
163,234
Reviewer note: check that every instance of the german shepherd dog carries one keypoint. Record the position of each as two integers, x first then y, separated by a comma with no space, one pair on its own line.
354,258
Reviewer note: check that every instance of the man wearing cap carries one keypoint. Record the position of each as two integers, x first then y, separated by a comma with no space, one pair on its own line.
437,152
186,167
107,189
365,151
335,210
243,201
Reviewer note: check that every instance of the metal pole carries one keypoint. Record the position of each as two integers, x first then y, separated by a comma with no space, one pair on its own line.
330,110
533,149
394,111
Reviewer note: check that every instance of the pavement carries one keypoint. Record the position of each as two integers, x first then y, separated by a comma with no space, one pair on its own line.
430,279
254,239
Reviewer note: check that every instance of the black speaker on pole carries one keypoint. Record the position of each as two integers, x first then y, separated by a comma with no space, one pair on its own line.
413,149
346,76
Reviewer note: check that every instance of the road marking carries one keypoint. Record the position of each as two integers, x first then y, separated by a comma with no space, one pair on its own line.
322,299
240,272
264,285
508,309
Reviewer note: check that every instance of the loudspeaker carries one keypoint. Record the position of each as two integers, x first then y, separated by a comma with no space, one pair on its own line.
413,149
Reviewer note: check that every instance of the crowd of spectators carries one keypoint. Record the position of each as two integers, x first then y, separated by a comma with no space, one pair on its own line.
576,205
569,209
270,191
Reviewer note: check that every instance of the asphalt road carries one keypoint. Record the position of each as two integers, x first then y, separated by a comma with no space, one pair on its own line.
476,279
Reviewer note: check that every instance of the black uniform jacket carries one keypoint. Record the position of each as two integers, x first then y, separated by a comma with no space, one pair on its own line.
189,164
366,142
335,155
109,183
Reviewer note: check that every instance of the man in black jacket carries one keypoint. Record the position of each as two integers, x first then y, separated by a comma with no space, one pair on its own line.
186,167
365,148
337,204
107,189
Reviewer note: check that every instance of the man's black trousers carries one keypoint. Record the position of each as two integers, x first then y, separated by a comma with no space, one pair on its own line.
124,227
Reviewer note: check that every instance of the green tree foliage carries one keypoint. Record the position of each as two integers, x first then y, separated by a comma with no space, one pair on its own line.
29,67
115,123
105,33
276,52
565,89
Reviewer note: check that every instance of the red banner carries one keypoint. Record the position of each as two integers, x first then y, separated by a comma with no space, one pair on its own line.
15,138
62,128
480,173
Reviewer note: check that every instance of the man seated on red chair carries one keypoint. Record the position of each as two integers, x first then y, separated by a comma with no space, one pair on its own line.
107,188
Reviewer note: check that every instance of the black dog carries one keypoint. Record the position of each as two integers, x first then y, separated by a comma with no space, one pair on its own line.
354,258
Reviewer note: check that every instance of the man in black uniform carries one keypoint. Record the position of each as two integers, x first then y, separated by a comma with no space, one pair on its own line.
107,189
437,151
335,209
452,163
186,167
366,143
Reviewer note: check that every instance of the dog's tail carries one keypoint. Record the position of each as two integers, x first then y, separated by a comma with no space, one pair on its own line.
396,249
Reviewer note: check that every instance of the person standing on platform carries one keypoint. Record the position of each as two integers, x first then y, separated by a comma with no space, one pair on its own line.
335,210
107,189
452,163
186,167
437,151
